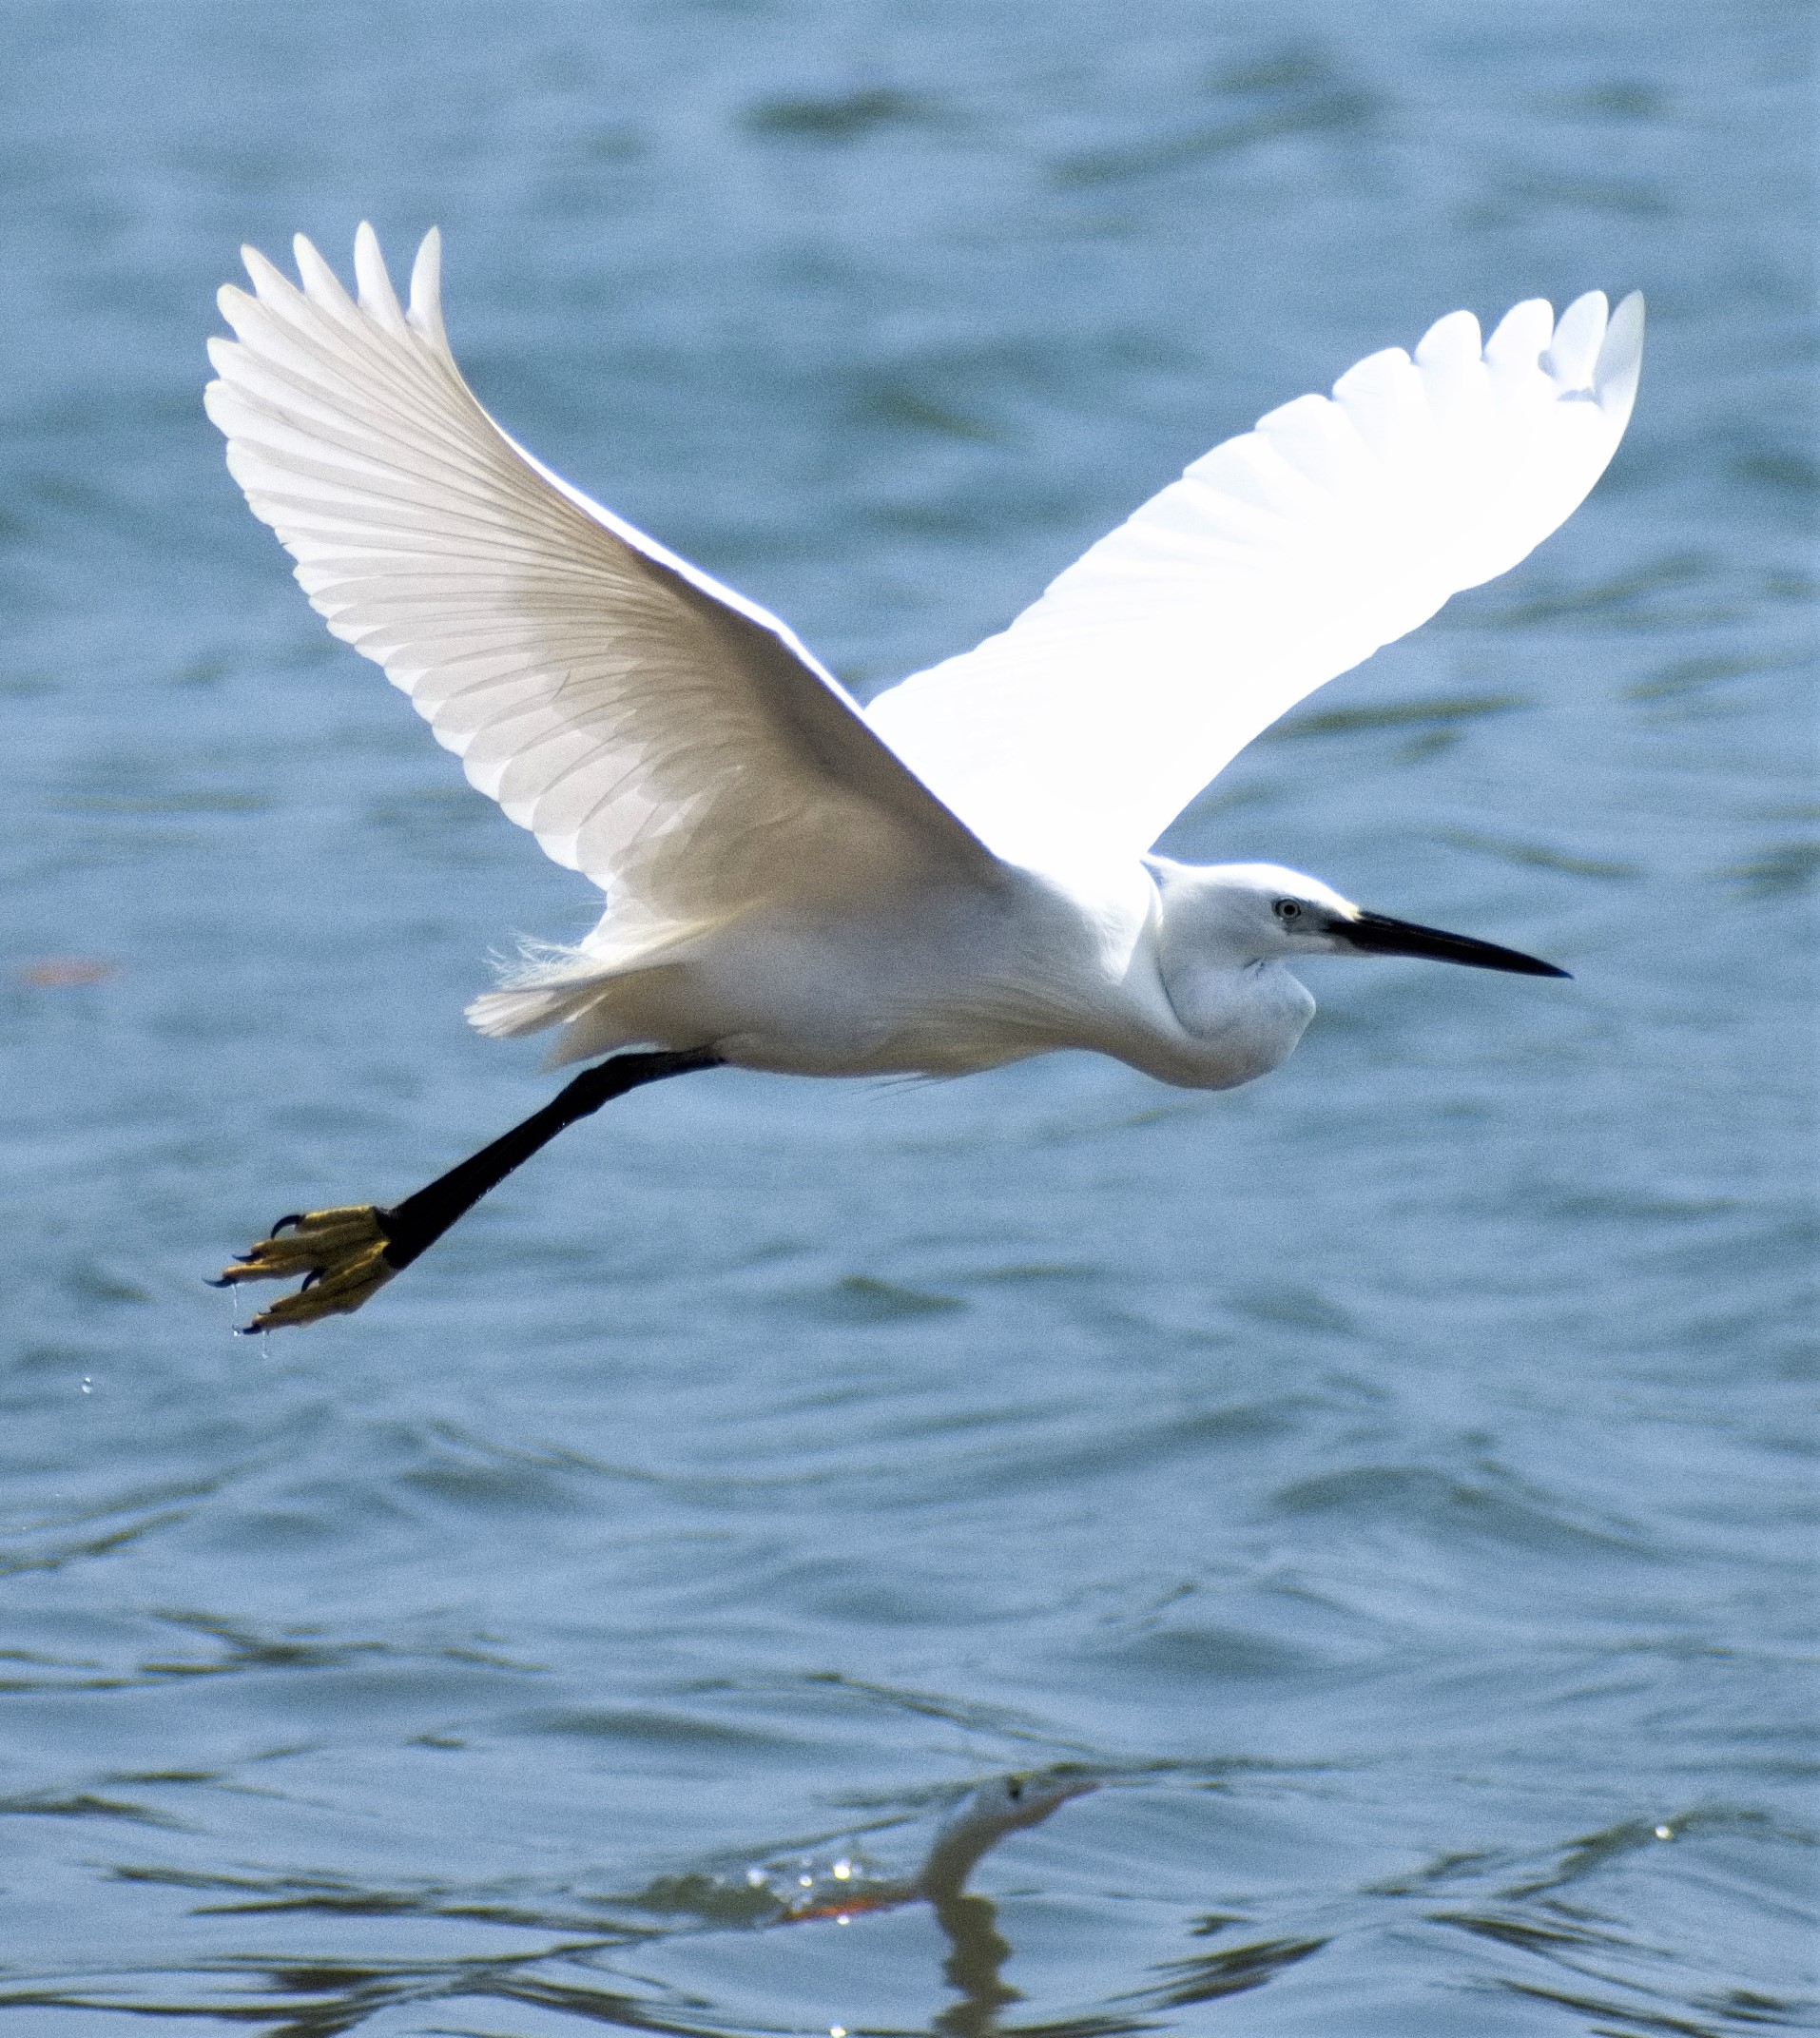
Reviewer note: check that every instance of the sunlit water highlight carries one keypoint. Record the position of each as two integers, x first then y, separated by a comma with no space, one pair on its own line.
1390,1487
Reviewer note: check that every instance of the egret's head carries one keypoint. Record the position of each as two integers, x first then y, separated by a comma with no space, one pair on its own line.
1263,913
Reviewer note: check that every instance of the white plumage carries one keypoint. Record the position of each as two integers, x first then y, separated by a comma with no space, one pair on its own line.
651,727
1278,561
955,876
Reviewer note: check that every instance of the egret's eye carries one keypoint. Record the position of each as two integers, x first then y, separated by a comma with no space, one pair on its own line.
1289,911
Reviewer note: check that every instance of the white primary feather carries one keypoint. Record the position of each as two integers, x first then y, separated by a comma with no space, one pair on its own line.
1279,560
653,729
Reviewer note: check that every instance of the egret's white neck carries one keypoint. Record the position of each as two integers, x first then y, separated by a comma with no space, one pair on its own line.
1239,1004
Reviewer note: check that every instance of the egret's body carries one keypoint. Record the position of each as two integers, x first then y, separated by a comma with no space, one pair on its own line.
961,874
939,981
1166,972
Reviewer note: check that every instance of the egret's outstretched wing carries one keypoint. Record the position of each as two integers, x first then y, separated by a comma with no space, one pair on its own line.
1279,561
652,728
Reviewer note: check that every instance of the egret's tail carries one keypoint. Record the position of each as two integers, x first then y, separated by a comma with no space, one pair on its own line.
592,991
506,1014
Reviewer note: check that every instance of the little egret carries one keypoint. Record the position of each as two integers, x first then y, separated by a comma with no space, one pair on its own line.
958,874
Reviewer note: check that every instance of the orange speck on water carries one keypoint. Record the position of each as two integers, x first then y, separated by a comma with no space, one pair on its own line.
847,1908
63,973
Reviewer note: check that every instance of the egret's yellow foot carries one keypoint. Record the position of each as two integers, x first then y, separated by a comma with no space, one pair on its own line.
340,1254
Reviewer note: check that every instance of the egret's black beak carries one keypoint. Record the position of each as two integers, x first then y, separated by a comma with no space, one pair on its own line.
1377,934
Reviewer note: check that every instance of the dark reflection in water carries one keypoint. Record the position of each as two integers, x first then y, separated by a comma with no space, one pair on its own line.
1392,1488
335,1996
592,1955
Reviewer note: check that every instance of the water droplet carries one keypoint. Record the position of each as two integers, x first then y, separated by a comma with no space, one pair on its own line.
806,1882
87,1384
1665,1832
843,1870
838,2031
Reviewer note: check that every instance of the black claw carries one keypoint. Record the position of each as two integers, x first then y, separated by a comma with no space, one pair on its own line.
247,1330
311,1278
284,1223
224,1282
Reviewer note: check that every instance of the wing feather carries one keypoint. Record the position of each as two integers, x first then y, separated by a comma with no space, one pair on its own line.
652,729
1281,560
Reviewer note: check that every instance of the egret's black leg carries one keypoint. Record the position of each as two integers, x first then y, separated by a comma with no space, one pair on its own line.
346,1253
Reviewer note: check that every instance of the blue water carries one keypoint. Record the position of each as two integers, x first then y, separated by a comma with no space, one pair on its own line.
1391,1484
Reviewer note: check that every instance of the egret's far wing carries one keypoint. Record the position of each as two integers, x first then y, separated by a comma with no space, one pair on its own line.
652,728
1279,560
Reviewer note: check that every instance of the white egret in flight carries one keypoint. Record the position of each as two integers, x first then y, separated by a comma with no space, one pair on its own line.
960,874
